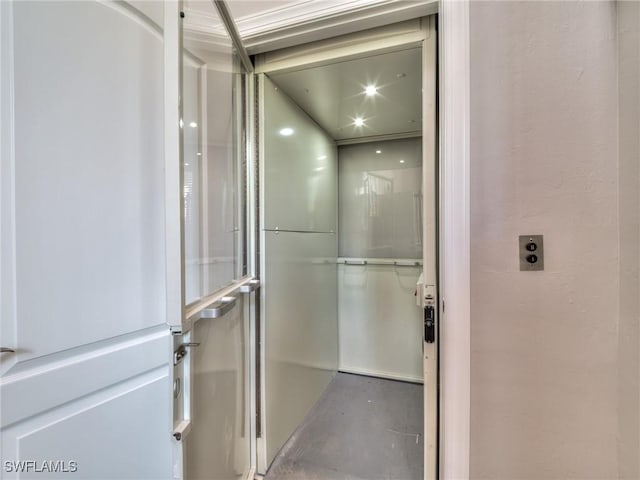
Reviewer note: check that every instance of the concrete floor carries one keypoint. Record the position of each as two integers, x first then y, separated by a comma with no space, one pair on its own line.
362,428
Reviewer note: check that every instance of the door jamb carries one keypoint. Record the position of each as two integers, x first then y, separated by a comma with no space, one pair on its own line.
455,362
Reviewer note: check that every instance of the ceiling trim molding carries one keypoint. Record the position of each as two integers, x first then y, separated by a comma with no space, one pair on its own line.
311,20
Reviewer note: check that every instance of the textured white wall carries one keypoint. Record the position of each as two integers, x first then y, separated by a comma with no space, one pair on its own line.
544,152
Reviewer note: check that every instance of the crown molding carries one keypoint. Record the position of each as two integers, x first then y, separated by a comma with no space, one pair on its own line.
311,20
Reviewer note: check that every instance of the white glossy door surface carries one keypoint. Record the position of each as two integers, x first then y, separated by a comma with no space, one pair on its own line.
82,285
218,445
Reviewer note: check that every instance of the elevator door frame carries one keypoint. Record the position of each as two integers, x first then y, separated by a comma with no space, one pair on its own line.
422,33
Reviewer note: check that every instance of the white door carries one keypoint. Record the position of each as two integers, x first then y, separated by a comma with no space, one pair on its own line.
87,387
430,272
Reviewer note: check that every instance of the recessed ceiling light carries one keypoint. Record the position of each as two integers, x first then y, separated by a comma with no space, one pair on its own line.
199,154
358,122
370,90
378,151
285,132
193,124
401,161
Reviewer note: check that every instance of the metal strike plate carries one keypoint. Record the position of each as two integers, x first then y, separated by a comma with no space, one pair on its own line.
429,324
531,252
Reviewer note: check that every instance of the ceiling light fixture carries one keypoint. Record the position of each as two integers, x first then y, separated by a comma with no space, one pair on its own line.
401,161
286,132
371,90
378,152
193,124
358,122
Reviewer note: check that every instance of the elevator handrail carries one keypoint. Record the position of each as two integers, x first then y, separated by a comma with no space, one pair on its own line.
397,262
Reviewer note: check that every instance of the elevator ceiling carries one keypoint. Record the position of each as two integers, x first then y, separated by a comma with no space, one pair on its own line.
365,97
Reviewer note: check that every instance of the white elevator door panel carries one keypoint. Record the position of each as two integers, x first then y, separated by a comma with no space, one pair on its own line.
82,273
218,446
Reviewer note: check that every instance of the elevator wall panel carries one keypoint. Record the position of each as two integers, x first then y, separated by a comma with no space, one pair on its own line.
300,317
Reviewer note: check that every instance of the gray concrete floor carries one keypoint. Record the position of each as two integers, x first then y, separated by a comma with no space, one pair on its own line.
362,428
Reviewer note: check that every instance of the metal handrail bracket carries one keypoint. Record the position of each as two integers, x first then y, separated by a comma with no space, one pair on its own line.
250,286
220,308
193,310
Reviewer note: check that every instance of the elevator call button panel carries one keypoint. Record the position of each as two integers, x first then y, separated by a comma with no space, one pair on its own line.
531,252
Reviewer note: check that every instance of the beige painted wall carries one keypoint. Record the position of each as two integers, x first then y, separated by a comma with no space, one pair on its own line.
629,219
551,384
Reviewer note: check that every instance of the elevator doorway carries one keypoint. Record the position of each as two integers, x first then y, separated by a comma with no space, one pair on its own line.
347,234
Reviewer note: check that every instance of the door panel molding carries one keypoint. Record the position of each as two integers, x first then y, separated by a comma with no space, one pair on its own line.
30,391
69,433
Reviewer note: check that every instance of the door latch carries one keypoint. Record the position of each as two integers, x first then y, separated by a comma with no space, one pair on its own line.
181,352
429,324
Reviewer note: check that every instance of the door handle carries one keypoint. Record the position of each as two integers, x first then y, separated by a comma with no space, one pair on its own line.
220,308
250,286
7,350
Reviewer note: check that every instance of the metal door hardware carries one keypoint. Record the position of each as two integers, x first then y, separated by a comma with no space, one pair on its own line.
219,309
531,252
181,430
181,352
250,286
429,324
7,350
177,387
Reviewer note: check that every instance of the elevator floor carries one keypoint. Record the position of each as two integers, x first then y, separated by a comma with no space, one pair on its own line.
362,428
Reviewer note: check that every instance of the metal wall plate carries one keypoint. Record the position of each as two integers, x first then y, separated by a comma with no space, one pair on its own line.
531,251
